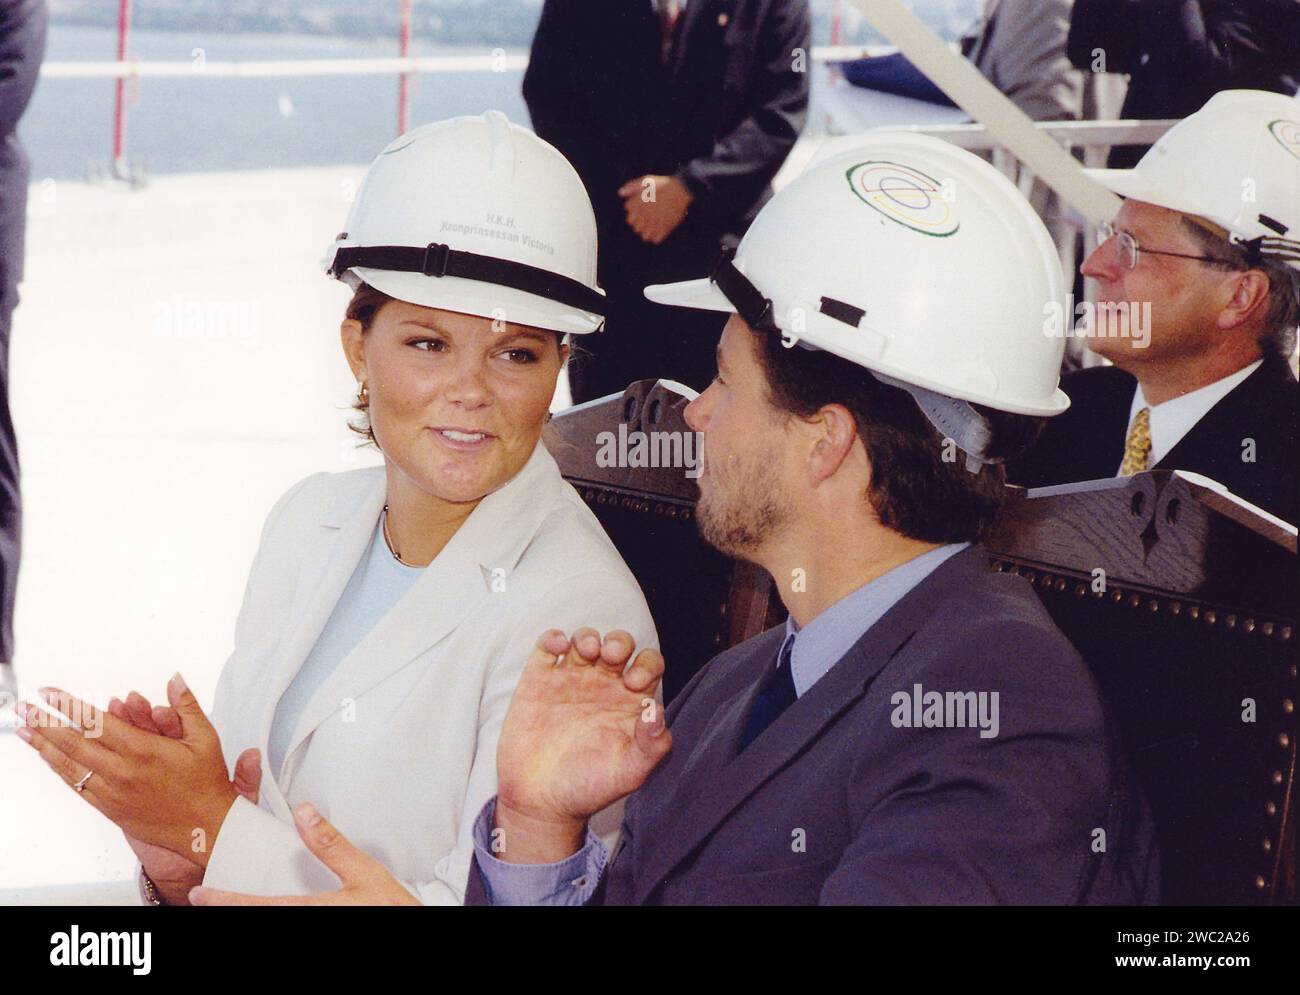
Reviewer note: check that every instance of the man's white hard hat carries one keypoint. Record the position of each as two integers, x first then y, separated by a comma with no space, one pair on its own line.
912,258
1235,163
480,216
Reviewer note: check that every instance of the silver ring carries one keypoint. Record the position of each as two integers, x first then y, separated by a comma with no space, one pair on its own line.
80,786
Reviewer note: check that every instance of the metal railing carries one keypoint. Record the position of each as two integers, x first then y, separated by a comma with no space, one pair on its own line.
494,60
126,71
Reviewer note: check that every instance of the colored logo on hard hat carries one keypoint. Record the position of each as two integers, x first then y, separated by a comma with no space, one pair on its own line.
904,195
1287,134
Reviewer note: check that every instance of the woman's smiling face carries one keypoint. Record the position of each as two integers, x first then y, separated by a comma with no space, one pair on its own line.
457,401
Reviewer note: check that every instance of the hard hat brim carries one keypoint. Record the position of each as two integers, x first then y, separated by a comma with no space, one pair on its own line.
482,300
702,294
1131,184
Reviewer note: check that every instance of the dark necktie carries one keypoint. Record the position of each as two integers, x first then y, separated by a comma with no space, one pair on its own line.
670,12
776,696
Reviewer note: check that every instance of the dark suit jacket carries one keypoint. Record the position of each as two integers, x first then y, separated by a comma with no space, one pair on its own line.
1087,441
1179,53
722,115
835,804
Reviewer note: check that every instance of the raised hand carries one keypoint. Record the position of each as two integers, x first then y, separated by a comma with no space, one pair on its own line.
580,733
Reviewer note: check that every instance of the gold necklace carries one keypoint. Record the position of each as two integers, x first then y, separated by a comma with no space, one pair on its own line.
388,540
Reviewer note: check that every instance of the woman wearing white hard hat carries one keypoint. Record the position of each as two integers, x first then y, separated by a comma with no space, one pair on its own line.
390,610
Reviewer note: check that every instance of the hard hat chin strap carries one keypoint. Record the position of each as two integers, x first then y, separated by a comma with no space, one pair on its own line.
1266,247
747,299
438,260
756,309
954,418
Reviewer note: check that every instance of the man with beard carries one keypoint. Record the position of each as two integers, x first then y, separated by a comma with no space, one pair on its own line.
918,731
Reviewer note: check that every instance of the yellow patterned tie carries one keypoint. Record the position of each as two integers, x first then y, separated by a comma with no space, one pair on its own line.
1137,447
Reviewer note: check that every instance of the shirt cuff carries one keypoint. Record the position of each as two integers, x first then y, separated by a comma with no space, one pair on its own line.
257,854
571,881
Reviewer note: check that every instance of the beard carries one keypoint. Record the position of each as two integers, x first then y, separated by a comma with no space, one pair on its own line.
741,509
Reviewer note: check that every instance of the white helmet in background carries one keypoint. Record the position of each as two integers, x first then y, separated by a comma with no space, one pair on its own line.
1235,163
916,260
480,216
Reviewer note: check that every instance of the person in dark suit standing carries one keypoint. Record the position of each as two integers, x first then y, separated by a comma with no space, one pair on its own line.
676,114
918,731
1199,282
22,46
1179,53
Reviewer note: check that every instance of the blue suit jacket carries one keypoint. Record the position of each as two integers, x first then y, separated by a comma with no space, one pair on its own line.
836,803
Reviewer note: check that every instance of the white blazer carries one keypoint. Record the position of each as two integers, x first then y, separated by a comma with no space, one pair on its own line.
398,746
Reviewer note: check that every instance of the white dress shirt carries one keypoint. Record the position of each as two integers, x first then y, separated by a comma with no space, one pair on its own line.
1174,418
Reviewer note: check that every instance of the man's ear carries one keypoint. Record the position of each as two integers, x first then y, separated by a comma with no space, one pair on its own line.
1249,296
833,432
351,334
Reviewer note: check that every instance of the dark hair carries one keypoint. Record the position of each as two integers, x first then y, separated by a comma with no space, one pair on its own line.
364,305
913,490
1278,333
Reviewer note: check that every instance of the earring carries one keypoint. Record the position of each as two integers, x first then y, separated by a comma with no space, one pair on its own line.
363,396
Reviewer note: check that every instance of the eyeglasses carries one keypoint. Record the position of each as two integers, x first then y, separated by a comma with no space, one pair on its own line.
1130,251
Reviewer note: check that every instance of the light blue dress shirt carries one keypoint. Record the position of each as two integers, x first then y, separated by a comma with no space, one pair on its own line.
378,583
818,646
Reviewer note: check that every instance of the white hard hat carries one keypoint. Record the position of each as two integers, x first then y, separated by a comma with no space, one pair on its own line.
915,259
480,216
1236,163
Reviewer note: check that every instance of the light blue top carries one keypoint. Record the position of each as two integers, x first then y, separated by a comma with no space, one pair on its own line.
823,642
378,583
818,646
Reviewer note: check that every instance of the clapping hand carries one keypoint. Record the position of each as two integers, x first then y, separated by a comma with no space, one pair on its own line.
174,874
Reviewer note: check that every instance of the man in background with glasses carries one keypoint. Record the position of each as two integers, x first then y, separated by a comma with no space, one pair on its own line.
1199,278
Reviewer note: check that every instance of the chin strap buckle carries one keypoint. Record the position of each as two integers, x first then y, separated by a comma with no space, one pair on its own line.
436,255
